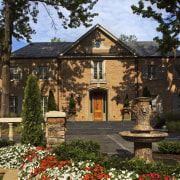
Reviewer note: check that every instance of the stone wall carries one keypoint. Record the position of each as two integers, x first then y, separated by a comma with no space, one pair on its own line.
55,128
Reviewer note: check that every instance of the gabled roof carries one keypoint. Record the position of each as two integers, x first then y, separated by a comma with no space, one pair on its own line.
60,49
147,49
41,50
102,29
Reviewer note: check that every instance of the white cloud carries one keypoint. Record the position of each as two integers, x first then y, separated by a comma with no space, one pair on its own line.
116,16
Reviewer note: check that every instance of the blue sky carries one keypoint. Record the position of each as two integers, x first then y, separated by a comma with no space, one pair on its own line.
114,15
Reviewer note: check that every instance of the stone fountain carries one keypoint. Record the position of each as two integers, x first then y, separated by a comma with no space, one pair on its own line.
143,135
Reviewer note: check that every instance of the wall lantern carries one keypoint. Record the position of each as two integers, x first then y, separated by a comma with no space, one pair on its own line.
79,100
118,99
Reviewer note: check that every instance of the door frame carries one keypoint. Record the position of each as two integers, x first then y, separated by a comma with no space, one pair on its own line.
104,104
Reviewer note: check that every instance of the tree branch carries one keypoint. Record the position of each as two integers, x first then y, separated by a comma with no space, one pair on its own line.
52,20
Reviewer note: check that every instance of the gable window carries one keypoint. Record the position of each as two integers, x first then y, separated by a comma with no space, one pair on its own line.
13,104
43,72
98,72
153,72
15,73
44,100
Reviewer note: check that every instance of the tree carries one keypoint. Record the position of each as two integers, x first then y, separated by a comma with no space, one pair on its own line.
32,115
51,105
15,21
55,39
167,14
124,38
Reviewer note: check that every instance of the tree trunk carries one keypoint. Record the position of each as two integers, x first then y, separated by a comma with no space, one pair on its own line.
6,52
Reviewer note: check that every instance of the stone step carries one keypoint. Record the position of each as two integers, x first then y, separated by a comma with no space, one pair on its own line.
85,128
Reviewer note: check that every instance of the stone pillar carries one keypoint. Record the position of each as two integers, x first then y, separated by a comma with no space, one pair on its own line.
143,150
11,131
55,128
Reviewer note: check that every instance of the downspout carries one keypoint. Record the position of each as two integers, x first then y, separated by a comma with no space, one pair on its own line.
137,74
58,85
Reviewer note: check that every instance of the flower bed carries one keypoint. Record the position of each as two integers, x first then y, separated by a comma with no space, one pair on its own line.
37,163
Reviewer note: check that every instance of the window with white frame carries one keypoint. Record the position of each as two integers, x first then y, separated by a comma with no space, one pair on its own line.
44,100
98,74
15,73
43,72
13,104
152,71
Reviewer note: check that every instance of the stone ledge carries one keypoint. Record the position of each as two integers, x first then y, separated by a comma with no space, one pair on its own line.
55,114
11,174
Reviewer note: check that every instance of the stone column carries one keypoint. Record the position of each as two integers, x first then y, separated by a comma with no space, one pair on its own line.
11,131
55,128
143,150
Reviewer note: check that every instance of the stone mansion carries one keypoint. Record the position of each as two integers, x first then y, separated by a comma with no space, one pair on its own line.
98,70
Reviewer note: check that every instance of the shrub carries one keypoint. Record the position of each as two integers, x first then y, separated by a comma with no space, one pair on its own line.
5,143
173,121
72,103
169,147
32,113
126,101
79,150
51,105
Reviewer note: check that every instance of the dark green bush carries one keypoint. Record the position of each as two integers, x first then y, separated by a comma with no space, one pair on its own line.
80,150
169,147
5,143
51,104
173,121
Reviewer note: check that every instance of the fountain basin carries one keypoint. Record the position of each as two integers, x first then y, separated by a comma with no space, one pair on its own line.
152,136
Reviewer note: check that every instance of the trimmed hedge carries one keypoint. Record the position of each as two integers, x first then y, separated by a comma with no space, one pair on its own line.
169,147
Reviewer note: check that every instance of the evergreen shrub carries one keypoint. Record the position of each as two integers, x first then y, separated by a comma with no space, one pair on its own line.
80,150
51,105
72,103
173,121
32,115
169,147
5,143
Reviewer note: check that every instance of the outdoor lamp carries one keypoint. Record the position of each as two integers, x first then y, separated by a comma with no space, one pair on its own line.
79,100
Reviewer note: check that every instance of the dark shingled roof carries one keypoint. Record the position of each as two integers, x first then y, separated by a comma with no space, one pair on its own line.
147,48
53,49
41,50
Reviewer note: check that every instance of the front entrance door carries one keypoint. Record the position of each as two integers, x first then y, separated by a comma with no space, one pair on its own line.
98,106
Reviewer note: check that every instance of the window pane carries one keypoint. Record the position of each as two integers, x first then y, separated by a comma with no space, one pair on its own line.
14,74
13,103
42,73
100,69
95,70
151,72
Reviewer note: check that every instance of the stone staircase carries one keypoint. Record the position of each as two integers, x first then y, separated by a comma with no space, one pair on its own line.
98,127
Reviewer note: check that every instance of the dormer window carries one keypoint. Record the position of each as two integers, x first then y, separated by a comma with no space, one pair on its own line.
98,74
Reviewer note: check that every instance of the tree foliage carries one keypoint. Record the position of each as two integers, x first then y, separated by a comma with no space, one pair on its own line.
51,105
167,14
124,38
15,18
55,39
32,115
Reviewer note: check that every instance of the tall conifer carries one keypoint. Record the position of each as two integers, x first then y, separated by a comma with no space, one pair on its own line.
32,113
51,105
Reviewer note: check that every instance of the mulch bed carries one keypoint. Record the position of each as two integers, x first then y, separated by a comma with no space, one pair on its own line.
166,156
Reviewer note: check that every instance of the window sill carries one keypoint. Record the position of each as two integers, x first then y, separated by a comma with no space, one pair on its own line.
98,81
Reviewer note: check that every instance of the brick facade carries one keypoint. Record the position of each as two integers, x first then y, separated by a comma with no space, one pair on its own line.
122,72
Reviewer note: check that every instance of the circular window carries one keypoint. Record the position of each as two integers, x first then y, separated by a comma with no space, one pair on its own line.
97,44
